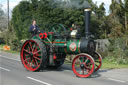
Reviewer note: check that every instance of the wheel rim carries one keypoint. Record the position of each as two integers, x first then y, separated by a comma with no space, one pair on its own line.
83,65
31,55
98,61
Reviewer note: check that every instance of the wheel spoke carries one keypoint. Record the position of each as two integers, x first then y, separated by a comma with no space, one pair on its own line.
78,62
96,65
86,60
33,47
97,61
29,49
26,59
89,63
36,52
31,64
26,55
83,71
36,58
30,45
28,64
36,62
26,51
38,55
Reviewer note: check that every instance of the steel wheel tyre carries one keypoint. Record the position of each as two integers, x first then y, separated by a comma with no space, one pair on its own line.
83,65
98,61
33,55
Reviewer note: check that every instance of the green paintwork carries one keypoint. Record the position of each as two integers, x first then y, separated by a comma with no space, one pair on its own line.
36,37
61,49
71,46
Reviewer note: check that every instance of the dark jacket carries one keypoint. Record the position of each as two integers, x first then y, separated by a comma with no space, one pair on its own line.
35,31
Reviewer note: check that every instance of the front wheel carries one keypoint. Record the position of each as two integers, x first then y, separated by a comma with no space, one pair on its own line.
83,65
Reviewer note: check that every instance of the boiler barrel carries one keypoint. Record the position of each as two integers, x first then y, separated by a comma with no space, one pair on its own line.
80,46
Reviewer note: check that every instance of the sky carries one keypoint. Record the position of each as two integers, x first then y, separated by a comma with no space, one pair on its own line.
13,3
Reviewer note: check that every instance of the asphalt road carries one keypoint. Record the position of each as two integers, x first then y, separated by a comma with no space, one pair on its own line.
12,72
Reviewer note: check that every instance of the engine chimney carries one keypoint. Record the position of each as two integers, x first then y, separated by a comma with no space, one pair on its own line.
87,13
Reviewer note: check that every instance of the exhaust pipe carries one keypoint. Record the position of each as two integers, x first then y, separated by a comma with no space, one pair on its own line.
87,13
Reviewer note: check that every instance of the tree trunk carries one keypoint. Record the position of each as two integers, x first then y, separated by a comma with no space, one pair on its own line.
126,27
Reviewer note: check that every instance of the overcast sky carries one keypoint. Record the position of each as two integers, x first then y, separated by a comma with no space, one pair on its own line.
13,3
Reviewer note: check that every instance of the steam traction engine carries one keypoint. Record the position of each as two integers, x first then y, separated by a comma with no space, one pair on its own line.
50,49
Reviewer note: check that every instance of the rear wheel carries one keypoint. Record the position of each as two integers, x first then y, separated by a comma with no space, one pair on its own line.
83,65
33,55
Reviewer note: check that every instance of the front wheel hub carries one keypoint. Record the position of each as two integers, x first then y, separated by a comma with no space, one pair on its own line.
82,66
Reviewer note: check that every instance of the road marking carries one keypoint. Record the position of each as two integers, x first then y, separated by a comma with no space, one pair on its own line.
4,69
38,80
116,80
9,58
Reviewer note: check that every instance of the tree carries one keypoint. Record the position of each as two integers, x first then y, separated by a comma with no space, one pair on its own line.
126,14
3,20
117,14
21,19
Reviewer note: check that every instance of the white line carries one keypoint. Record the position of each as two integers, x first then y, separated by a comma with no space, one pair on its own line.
9,58
116,80
38,80
4,69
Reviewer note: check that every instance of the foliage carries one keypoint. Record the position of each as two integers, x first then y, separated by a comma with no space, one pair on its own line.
48,12
3,20
118,50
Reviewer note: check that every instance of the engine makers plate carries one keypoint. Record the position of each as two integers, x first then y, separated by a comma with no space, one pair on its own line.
72,46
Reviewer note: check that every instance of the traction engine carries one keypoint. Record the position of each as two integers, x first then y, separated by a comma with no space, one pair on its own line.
50,49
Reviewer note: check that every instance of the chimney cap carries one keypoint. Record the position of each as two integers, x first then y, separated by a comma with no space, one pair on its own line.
87,9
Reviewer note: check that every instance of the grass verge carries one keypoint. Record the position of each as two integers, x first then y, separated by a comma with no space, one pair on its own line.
111,65
107,65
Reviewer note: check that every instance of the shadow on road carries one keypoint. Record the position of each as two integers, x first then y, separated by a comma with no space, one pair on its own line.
99,72
69,69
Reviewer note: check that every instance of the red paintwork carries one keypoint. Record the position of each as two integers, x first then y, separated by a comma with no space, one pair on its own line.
86,66
43,35
27,62
99,61
50,32
54,57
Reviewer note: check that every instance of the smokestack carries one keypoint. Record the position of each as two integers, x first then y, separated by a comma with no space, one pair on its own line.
87,12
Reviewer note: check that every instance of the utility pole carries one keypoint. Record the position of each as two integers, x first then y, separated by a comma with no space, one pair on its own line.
8,12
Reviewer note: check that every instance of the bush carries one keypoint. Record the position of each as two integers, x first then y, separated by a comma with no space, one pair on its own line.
118,51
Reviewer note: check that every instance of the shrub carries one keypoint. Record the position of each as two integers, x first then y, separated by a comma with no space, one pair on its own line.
118,51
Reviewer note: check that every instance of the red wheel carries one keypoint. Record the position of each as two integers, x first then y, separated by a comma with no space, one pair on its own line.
98,61
33,55
83,65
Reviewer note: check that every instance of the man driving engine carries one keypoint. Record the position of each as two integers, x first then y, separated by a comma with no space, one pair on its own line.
34,28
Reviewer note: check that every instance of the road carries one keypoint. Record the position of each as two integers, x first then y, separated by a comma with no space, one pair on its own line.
12,72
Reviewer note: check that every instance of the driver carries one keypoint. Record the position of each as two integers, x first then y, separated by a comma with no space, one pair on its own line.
34,28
